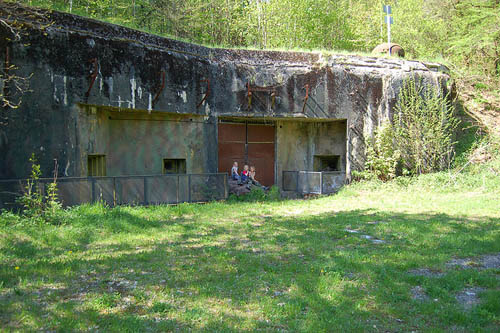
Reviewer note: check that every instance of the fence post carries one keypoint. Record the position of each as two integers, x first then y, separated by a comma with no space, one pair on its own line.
189,188
297,182
283,180
114,191
226,191
321,183
92,179
146,199
178,185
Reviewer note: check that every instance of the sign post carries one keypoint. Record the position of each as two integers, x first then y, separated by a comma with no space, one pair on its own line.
388,20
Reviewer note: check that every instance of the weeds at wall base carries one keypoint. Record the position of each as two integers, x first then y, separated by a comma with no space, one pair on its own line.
40,205
257,194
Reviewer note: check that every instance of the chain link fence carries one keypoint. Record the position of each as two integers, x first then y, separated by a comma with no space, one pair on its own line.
126,190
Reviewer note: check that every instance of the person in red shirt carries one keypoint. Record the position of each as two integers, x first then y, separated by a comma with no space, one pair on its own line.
245,174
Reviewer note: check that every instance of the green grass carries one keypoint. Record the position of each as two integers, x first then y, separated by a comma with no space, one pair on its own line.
281,265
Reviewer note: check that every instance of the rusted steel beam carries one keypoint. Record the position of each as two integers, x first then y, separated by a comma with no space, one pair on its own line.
207,93
93,76
251,89
162,86
262,89
306,98
249,95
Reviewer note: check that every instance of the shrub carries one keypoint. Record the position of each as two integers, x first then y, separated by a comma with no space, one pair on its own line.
32,198
418,140
382,156
424,127
37,205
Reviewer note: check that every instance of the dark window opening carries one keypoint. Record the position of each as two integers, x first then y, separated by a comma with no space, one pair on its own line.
176,165
326,163
96,165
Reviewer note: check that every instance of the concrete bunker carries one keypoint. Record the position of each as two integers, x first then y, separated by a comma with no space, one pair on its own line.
118,142
108,101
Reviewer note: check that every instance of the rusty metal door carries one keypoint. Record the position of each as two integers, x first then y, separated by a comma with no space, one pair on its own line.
232,146
247,143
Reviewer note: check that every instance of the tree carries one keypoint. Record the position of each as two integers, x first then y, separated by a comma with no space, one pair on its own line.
476,40
12,86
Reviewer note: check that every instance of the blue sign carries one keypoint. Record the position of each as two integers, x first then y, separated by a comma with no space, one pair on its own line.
389,19
387,9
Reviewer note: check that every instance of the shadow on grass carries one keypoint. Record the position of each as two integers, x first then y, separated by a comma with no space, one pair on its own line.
291,273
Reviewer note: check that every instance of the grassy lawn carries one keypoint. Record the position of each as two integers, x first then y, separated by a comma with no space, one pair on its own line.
340,263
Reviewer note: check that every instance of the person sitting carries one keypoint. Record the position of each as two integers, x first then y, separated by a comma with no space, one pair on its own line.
245,174
254,181
234,172
251,175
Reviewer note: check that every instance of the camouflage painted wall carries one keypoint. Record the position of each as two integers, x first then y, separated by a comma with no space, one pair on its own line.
77,64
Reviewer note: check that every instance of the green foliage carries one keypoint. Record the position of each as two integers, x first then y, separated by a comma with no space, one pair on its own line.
424,127
419,140
104,301
476,37
39,206
32,198
53,207
382,157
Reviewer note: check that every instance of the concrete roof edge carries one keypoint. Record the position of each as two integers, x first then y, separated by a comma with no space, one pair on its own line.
65,22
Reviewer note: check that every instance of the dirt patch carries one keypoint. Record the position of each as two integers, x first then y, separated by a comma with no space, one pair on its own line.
468,298
480,155
482,105
489,261
465,263
418,294
425,272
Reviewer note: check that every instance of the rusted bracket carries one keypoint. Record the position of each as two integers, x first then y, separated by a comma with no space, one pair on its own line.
306,98
249,95
93,76
162,86
207,93
251,90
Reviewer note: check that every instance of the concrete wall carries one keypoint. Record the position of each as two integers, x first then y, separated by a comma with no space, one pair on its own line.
135,143
298,142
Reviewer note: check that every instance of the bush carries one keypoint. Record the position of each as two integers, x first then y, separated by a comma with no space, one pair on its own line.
418,141
382,157
32,198
37,205
424,127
